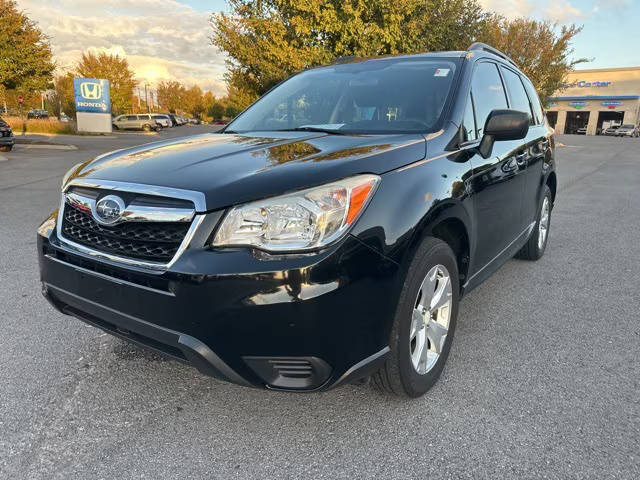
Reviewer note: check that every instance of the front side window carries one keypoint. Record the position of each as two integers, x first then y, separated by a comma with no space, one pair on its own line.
381,96
143,117
469,122
131,117
517,94
488,92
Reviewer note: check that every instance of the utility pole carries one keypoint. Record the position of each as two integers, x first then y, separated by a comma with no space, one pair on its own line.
146,99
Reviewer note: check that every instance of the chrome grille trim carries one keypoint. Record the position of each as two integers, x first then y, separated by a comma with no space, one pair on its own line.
135,213
197,198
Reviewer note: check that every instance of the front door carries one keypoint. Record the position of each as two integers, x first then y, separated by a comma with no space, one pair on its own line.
497,182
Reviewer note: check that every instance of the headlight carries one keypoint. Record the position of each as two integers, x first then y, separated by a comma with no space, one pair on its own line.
304,220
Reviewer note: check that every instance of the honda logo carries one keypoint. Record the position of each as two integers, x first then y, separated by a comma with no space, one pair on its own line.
91,90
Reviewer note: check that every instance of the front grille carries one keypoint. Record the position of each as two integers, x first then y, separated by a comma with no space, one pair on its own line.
154,241
5,134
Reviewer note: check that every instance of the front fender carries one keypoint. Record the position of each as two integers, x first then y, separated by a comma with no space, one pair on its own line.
410,201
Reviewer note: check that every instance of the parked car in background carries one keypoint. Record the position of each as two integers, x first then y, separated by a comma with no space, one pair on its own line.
163,120
627,130
195,121
64,118
37,113
611,131
219,122
581,131
6,137
306,253
172,119
136,122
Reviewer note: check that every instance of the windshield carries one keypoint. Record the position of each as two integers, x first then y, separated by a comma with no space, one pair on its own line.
392,95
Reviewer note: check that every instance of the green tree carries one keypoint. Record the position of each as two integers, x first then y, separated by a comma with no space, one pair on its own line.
113,68
216,110
267,41
541,49
25,52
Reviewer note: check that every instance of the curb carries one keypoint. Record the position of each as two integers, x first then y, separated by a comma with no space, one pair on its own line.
27,146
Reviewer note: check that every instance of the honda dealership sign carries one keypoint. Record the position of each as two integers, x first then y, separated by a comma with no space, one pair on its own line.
93,104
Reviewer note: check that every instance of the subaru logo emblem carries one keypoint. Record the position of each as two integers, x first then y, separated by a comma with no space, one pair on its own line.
91,90
108,210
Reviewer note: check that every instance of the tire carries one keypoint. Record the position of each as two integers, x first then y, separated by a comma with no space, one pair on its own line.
146,128
398,375
6,148
158,128
115,127
534,248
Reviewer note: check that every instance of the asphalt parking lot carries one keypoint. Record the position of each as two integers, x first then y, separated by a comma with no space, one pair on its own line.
543,380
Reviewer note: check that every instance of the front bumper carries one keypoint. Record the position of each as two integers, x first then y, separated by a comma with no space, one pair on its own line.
303,322
7,141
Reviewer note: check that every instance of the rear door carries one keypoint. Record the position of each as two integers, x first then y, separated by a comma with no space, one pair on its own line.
497,181
530,155
539,145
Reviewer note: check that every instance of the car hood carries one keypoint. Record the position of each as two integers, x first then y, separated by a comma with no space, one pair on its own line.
236,168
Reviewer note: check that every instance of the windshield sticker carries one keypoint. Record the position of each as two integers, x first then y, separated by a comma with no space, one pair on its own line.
441,72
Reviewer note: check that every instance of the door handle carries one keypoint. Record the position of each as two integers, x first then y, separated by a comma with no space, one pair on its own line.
521,159
510,166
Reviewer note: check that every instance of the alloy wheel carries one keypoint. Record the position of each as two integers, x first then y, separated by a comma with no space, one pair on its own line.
430,319
543,227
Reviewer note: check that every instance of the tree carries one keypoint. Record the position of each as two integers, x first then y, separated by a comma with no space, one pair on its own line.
113,68
171,95
193,101
216,110
542,52
267,41
25,52
63,97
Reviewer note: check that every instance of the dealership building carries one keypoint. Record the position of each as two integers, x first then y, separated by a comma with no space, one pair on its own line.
596,97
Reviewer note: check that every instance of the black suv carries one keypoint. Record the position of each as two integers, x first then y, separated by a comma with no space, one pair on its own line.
326,235
7,139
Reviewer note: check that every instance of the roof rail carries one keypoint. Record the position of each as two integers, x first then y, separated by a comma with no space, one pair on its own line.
488,48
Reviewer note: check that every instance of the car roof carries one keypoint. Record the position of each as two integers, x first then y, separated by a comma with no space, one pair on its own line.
476,52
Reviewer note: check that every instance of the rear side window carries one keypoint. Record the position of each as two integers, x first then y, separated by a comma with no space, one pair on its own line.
488,92
536,106
517,94
143,117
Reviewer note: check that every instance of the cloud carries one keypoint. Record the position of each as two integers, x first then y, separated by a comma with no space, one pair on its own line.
510,8
161,39
562,11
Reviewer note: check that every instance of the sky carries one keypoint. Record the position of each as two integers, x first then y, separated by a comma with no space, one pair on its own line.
168,39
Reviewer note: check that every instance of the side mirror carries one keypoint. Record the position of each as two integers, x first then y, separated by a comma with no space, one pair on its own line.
503,125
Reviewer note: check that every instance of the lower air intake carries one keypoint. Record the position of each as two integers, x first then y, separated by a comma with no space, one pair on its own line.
290,373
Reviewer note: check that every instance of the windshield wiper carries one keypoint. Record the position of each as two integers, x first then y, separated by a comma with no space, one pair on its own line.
313,129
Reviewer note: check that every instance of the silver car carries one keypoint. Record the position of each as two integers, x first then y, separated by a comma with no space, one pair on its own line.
627,131
163,120
136,122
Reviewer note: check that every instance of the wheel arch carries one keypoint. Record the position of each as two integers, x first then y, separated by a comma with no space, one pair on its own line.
552,182
450,224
